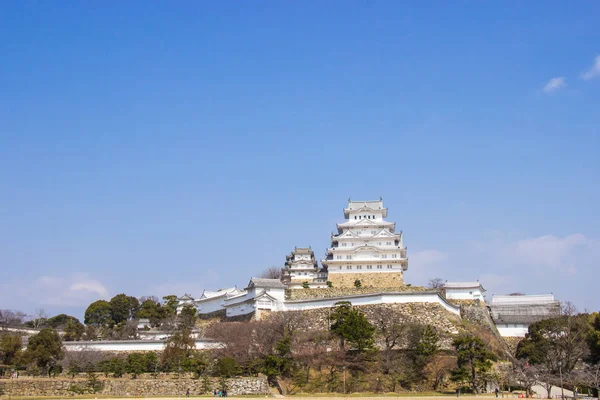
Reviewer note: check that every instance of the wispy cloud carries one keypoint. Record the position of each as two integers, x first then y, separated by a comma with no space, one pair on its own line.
547,250
592,72
73,291
426,258
554,84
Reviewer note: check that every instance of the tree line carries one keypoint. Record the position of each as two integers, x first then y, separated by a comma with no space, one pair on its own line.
355,353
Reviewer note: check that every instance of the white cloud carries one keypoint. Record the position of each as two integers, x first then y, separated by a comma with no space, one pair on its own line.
547,250
554,84
426,258
73,291
593,72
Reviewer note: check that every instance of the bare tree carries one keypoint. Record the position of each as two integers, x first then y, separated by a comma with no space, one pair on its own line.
12,318
39,318
153,298
436,284
84,360
271,273
389,327
438,370
524,375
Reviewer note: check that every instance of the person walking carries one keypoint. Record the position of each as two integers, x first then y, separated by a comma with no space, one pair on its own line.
187,393
496,391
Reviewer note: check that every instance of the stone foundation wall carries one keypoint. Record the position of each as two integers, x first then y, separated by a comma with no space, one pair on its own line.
131,387
376,279
303,294
446,323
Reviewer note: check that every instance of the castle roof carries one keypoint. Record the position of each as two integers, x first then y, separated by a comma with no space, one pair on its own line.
464,285
219,293
265,283
523,299
374,205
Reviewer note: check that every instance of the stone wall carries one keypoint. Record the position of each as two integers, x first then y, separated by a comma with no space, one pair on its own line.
131,387
375,280
446,323
303,294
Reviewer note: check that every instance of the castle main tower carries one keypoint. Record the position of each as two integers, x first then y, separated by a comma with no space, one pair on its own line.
366,248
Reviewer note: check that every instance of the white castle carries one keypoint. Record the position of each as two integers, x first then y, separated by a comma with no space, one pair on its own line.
365,266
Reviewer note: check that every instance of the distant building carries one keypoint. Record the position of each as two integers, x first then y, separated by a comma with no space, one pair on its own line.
301,269
514,313
211,302
366,247
260,295
183,300
464,290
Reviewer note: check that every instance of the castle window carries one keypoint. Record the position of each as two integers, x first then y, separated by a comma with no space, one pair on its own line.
348,257
384,256
388,243
355,217
340,267
338,257
389,266
344,244
394,255
359,267
373,232
379,267
348,267
369,266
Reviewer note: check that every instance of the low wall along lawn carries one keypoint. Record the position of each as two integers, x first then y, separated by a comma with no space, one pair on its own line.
130,387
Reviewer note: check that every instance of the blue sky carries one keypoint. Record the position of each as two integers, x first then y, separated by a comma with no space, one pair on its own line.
165,147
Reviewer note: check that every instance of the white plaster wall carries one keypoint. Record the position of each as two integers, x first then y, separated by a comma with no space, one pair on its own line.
130,345
464,294
513,330
278,294
388,298
210,305
239,309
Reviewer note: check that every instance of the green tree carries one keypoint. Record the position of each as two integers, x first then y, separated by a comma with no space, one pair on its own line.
429,342
206,384
279,363
350,325
45,349
593,338
474,360
123,308
188,316
424,343
197,363
561,339
152,310
170,303
10,348
357,283
136,364
305,285
73,330
114,366
60,321
98,314
227,367
152,362
178,348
